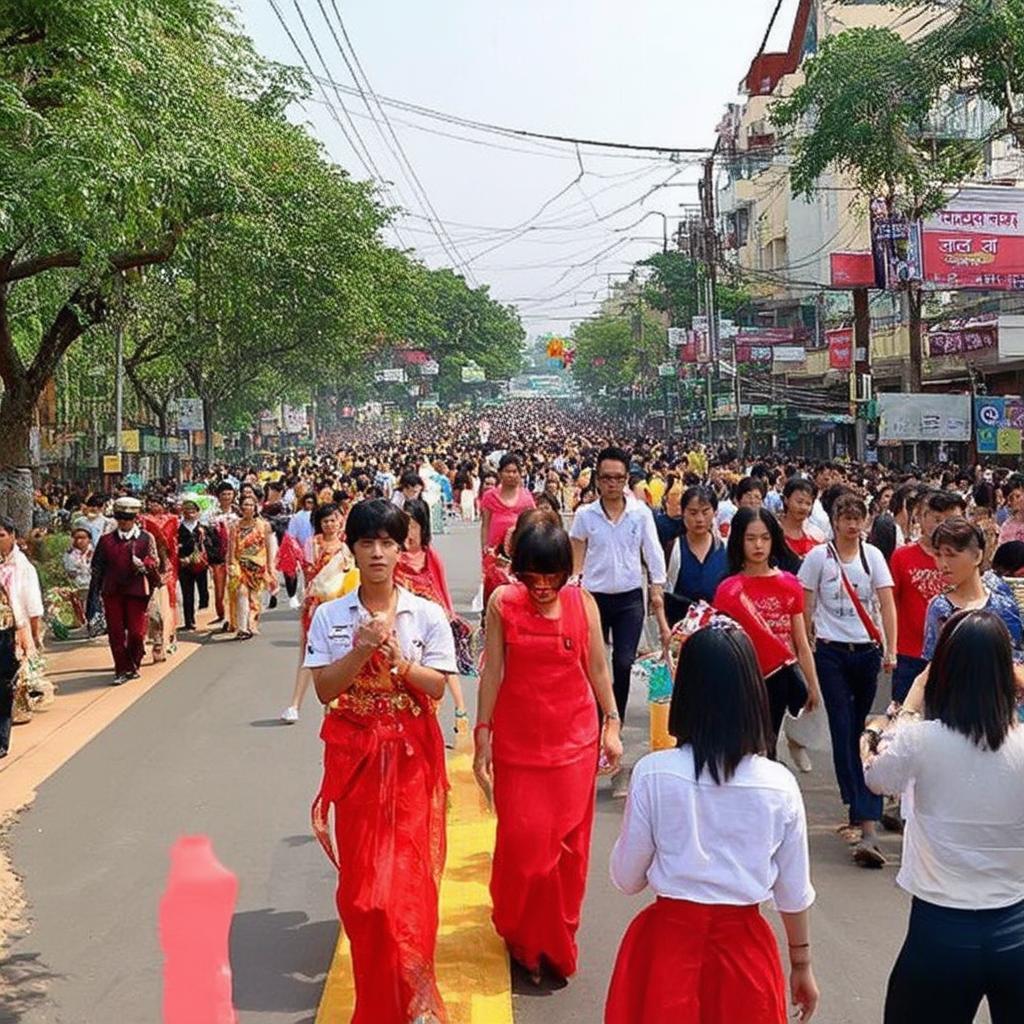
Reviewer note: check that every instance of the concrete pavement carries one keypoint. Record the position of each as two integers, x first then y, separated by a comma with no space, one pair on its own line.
203,752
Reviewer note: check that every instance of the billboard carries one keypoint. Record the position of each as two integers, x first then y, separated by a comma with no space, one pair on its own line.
840,348
977,241
956,337
998,425
852,269
190,413
937,417
897,247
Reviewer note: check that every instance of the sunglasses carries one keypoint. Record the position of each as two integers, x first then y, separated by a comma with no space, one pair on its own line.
543,580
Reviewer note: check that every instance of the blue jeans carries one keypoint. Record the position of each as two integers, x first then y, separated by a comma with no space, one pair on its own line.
951,959
622,620
903,675
848,675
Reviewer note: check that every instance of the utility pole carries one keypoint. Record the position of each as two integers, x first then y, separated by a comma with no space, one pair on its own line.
119,366
860,390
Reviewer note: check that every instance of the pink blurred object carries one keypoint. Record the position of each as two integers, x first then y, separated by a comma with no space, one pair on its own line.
195,920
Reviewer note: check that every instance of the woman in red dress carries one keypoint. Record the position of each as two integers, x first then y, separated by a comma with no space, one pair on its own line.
501,506
379,657
325,552
537,741
797,501
768,602
422,571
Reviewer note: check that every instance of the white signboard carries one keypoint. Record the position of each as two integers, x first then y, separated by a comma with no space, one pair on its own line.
392,375
936,417
727,329
190,413
700,323
295,420
429,369
666,369
788,353
676,337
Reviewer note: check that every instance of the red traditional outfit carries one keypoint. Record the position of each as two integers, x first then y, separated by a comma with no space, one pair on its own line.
545,749
314,560
429,581
384,776
165,525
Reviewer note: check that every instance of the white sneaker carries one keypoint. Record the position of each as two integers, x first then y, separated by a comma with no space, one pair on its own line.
290,715
293,603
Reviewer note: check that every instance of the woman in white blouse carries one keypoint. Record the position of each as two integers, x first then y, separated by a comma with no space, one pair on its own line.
963,847
715,829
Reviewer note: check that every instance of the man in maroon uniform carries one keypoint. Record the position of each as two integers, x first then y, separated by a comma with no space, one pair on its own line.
126,568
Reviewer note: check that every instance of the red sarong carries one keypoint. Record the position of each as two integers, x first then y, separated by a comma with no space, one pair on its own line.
384,775
696,963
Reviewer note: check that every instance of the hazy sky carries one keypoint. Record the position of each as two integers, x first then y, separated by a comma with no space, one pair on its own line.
653,72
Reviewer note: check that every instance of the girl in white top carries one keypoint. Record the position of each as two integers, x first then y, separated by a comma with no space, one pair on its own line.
714,829
963,847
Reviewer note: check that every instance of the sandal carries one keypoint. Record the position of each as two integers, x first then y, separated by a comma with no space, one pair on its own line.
868,856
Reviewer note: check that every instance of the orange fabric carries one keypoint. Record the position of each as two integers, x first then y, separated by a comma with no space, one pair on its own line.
694,963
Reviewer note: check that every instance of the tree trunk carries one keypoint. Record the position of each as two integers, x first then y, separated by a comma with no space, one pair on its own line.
17,410
164,458
208,432
915,297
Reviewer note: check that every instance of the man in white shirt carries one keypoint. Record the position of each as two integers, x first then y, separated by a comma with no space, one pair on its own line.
614,540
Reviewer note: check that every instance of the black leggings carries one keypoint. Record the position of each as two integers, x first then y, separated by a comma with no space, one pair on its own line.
952,959
8,672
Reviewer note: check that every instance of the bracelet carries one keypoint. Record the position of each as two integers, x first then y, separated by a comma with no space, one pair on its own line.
800,945
612,716
482,725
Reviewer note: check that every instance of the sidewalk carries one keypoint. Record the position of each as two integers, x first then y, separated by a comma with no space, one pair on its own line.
84,705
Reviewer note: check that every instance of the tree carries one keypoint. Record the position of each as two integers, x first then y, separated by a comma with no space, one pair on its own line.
863,111
676,287
125,125
614,351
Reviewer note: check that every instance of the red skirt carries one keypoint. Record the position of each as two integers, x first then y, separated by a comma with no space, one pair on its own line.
696,963
385,779
541,853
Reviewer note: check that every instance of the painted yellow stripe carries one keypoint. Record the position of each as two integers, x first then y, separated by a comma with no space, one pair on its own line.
472,964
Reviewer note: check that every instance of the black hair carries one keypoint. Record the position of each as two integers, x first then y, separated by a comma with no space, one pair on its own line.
372,519
971,687
410,478
883,534
748,484
225,485
546,500
541,545
831,495
699,493
8,525
781,557
97,500
1014,482
984,495
612,454
798,483
943,501
849,503
719,702
418,509
320,513
510,459
959,534
1008,558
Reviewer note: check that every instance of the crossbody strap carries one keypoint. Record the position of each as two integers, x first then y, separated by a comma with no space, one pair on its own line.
865,620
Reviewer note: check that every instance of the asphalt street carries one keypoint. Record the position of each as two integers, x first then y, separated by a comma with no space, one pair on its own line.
203,752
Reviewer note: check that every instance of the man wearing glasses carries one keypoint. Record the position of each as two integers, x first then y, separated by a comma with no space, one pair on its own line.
614,541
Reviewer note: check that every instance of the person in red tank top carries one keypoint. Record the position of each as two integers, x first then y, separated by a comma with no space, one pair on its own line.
537,739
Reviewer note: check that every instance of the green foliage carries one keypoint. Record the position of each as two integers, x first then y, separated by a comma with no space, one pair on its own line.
676,287
863,111
612,352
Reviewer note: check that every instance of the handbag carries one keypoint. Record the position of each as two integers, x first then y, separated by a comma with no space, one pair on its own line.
865,620
462,633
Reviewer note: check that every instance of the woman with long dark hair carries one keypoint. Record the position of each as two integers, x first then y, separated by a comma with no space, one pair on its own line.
702,952
797,502
963,848
764,596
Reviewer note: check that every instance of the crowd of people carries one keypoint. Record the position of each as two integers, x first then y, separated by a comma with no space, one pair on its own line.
782,593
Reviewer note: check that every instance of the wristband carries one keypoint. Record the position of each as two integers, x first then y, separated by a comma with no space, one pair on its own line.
482,725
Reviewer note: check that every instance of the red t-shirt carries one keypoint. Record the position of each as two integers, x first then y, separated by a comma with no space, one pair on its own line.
916,579
775,600
503,516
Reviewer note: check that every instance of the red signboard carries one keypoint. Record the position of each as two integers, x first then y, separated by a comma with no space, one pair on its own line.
840,348
852,269
977,241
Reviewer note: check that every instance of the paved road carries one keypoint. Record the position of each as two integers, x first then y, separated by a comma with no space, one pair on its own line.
203,752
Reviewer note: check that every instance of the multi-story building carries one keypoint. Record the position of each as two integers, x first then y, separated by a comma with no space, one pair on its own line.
784,246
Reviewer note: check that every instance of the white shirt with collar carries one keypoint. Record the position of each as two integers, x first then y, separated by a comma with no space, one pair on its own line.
616,552
424,633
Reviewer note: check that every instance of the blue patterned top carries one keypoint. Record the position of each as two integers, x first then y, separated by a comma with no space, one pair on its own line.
1000,601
